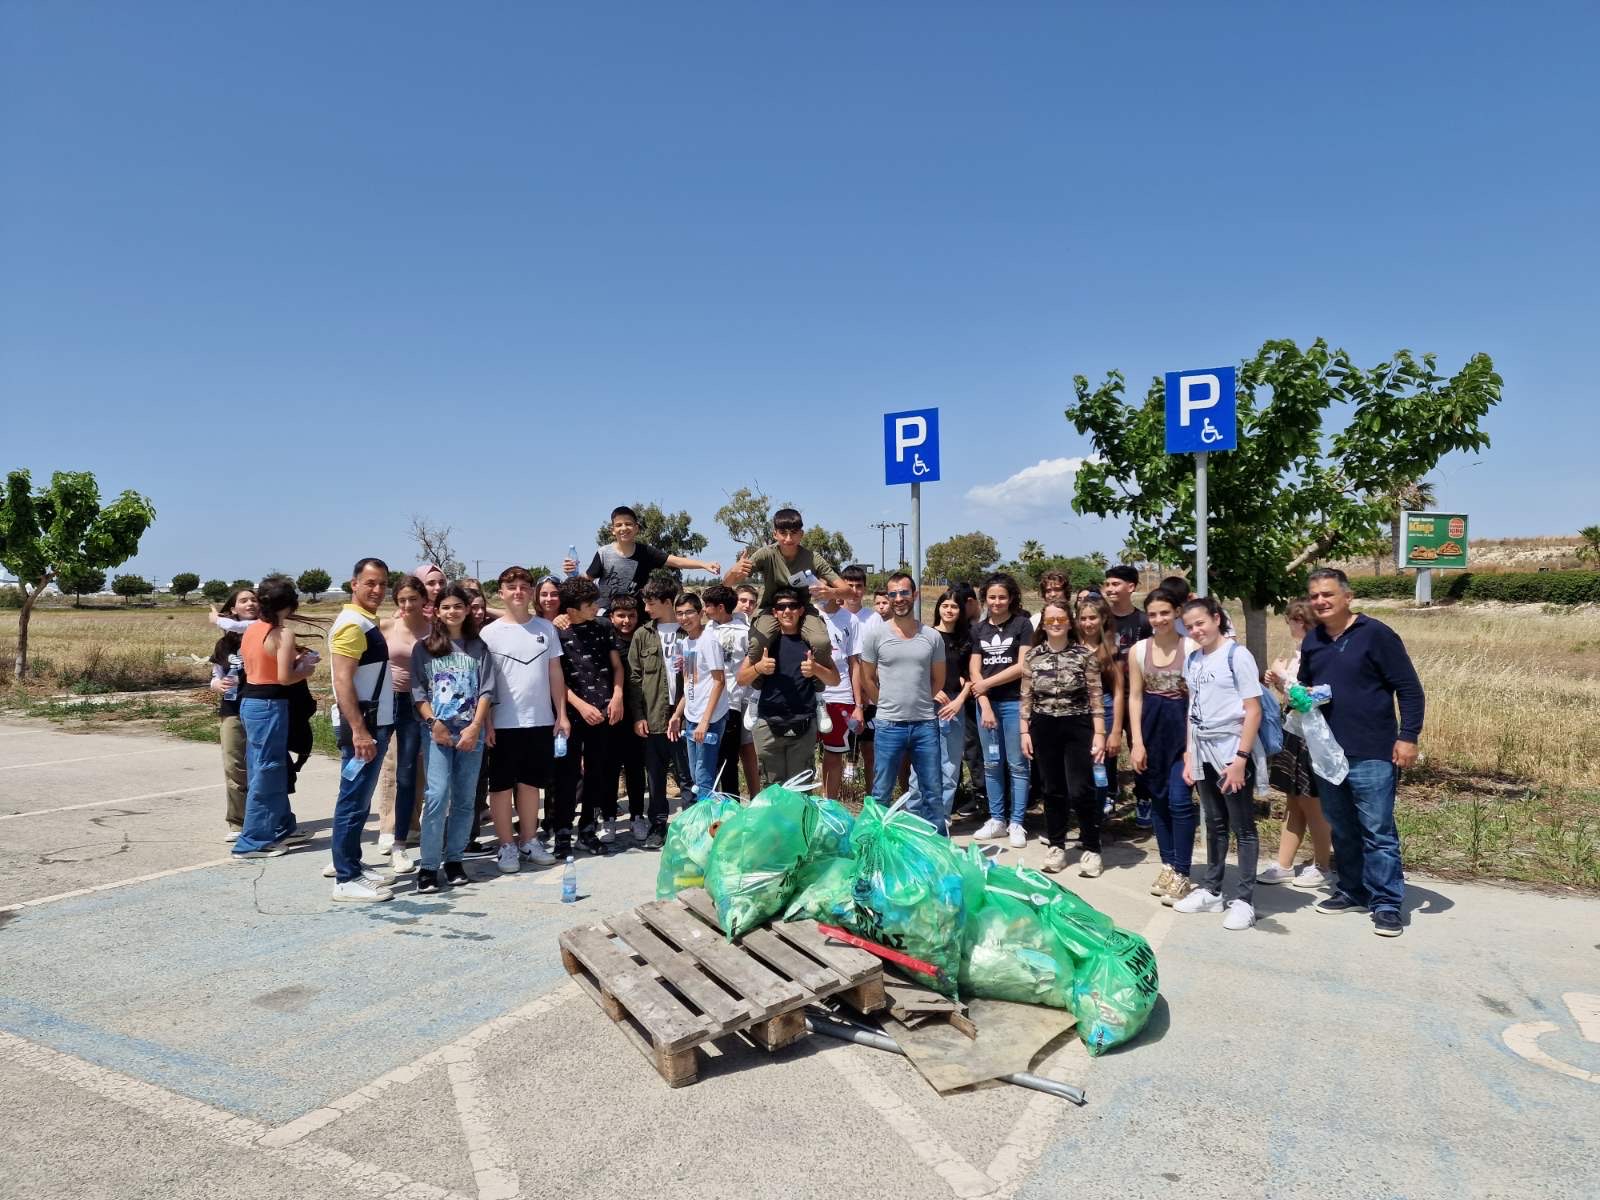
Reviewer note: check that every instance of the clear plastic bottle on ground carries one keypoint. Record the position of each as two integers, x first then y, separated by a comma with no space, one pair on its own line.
569,882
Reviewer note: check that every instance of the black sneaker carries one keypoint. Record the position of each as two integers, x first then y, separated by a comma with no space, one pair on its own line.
427,881
562,847
1338,903
656,838
589,842
1386,923
456,874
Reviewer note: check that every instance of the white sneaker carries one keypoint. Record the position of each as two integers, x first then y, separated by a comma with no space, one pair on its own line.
1273,873
1019,837
361,891
401,862
1240,916
1312,877
1200,901
824,719
385,843
508,860
231,836
605,833
992,830
538,853
1090,865
639,828
1055,859
367,873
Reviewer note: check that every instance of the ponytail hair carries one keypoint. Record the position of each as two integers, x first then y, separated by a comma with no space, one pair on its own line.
1210,605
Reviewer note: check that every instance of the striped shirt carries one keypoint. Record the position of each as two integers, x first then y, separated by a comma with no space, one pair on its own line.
355,634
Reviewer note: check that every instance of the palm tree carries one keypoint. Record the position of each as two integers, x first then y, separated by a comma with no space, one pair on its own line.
1590,550
1417,496
1031,551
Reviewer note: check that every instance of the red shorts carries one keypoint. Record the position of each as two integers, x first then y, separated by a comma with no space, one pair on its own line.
839,740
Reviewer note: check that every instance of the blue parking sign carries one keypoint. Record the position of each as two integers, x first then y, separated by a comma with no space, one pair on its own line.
1201,412
911,446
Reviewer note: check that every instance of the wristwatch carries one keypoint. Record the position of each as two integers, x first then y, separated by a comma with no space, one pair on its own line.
1244,754
428,721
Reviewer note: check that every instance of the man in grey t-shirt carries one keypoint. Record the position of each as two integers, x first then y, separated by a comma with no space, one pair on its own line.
902,666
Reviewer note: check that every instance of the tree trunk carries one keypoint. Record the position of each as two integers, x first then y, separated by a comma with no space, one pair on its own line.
20,666
1255,633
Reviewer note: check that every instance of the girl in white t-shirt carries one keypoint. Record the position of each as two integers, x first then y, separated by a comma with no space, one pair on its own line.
1224,714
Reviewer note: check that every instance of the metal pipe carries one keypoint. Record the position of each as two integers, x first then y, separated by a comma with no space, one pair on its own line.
877,1041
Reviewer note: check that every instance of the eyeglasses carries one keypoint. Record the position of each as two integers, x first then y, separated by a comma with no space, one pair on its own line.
898,593
1055,622
786,608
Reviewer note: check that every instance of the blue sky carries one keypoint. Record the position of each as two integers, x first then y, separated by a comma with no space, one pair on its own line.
300,271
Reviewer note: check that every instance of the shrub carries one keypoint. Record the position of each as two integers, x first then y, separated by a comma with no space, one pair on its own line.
1514,587
10,597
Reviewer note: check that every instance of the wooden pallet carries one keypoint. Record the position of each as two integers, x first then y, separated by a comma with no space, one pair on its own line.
671,981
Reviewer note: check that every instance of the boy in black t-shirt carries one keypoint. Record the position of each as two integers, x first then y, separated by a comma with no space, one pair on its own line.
593,670
624,616
623,566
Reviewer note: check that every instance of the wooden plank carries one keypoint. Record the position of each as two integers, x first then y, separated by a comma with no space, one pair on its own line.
764,990
855,965
671,1026
805,971
680,970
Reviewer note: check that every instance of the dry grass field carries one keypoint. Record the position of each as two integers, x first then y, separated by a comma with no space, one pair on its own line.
1509,787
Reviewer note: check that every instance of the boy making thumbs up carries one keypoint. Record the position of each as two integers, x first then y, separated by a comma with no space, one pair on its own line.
785,674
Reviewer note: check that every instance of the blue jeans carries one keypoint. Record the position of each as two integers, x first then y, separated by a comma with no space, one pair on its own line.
920,740
447,810
354,806
408,733
703,756
267,815
952,744
1366,844
1008,735
1172,811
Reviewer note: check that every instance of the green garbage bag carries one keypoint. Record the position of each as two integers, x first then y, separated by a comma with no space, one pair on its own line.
912,890
688,845
754,856
1115,983
830,835
1010,953
824,890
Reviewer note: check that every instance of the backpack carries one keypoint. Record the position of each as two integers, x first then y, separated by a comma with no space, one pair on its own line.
1270,735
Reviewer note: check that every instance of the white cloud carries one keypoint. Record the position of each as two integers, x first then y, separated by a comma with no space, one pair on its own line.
1044,487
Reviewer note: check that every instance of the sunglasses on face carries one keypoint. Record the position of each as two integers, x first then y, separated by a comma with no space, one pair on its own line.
1055,622
898,593
785,608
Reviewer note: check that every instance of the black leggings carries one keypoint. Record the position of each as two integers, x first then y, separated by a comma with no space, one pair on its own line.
1061,750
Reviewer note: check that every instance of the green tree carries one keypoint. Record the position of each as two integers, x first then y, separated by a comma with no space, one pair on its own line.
964,558
215,590
1290,494
833,547
314,582
129,586
78,580
1031,551
183,583
1589,551
671,533
747,516
1412,496
61,528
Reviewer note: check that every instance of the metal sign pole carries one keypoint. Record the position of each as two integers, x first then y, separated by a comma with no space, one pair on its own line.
916,535
1200,548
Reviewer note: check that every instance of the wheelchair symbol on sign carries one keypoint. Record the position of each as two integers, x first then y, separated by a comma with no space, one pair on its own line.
918,467
1209,433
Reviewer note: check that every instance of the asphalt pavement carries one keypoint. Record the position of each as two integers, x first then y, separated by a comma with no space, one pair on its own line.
176,1024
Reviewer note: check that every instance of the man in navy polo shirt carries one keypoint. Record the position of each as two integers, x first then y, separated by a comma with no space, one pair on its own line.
1366,665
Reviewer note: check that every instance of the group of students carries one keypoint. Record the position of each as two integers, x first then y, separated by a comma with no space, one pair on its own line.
541,713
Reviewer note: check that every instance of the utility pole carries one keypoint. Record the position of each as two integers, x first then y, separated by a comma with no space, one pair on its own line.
883,527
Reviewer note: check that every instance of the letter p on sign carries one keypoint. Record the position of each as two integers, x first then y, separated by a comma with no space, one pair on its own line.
1188,402
911,446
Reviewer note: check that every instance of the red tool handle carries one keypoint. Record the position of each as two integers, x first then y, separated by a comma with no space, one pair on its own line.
883,952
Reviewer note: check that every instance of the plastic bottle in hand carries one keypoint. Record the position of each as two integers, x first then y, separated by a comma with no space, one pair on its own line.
352,768
991,751
235,665
561,745
572,553
569,882
1101,779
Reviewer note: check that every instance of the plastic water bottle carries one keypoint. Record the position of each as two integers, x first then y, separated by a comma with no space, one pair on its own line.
569,882
352,768
235,665
1101,779
561,745
991,751
572,553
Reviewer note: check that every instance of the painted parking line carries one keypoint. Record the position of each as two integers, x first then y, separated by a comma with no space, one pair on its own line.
116,883
44,812
61,762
